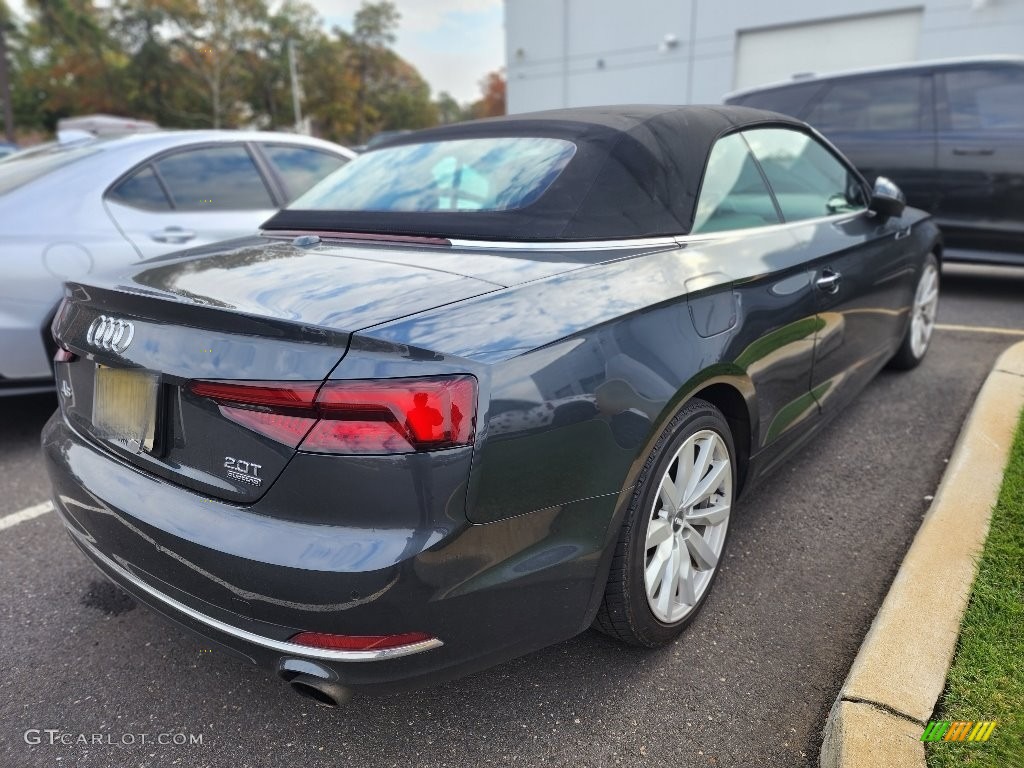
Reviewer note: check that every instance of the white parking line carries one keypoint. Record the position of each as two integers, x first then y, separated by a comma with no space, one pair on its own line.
980,329
28,513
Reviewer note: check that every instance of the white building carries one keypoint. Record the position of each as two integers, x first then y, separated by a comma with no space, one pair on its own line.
586,52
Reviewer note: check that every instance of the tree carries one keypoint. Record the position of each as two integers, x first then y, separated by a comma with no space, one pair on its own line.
68,61
197,63
269,81
214,35
492,99
154,72
374,28
448,109
5,80
400,97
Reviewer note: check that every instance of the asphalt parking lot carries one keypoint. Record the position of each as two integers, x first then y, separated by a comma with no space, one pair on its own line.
750,682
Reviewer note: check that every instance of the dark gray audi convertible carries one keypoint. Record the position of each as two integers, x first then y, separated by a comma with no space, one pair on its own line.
482,388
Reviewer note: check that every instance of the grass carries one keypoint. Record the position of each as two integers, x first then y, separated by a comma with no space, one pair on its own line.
986,681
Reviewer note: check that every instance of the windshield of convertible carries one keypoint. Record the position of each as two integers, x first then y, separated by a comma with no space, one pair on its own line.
495,174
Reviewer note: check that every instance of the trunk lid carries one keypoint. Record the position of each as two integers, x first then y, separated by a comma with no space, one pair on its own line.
259,311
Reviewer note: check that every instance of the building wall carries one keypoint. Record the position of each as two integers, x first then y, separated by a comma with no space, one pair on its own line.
586,52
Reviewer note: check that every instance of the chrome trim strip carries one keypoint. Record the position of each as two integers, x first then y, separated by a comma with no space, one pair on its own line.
292,649
835,218
564,245
662,241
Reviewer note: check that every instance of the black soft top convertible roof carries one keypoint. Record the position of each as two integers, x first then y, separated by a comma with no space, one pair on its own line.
636,173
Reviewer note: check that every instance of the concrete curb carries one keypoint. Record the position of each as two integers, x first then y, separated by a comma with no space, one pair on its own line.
900,670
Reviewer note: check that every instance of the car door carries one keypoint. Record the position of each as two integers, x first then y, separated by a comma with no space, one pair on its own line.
980,183
885,126
191,196
774,345
863,278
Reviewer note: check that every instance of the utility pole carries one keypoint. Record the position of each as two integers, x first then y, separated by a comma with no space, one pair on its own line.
5,82
565,53
296,107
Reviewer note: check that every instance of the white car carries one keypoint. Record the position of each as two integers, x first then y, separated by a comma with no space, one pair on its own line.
68,209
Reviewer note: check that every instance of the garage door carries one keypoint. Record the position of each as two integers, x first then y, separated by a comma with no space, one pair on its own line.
778,53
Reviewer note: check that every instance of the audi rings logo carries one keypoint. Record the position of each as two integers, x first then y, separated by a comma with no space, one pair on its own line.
111,333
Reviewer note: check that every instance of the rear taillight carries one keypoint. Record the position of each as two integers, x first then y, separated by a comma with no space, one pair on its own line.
63,354
331,642
358,416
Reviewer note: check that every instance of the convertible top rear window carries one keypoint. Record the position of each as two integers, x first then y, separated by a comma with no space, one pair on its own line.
589,173
498,174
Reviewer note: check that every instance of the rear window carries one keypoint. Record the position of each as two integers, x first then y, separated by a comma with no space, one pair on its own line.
23,167
141,190
497,174
301,167
220,178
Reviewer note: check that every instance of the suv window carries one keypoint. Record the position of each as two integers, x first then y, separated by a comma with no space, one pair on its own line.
733,194
220,178
890,103
985,99
141,190
807,179
300,167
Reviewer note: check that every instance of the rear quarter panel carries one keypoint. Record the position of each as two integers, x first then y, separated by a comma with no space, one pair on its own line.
581,371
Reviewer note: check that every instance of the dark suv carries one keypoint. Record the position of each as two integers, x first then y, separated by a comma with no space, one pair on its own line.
949,133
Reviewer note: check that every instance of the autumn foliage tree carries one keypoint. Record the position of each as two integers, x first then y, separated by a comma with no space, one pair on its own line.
212,63
492,96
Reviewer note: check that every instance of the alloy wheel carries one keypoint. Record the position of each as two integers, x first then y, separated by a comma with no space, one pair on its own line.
926,305
687,525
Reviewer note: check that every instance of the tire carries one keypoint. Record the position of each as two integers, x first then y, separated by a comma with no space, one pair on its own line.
921,325
651,611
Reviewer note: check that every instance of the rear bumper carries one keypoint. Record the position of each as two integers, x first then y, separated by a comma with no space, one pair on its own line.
247,580
195,619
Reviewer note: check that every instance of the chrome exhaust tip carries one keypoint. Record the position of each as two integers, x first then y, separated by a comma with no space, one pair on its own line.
323,692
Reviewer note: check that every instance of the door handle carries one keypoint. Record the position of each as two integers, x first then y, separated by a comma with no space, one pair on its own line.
829,281
973,151
172,235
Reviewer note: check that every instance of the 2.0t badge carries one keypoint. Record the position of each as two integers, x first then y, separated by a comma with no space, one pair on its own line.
245,471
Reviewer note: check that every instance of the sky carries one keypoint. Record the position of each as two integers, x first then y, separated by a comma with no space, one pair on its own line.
453,43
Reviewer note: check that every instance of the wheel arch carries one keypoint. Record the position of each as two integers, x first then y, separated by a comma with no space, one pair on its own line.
731,391
728,398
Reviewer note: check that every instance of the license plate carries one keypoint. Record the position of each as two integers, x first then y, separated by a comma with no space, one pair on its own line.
124,407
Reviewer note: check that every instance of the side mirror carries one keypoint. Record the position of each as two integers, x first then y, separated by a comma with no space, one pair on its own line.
887,199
